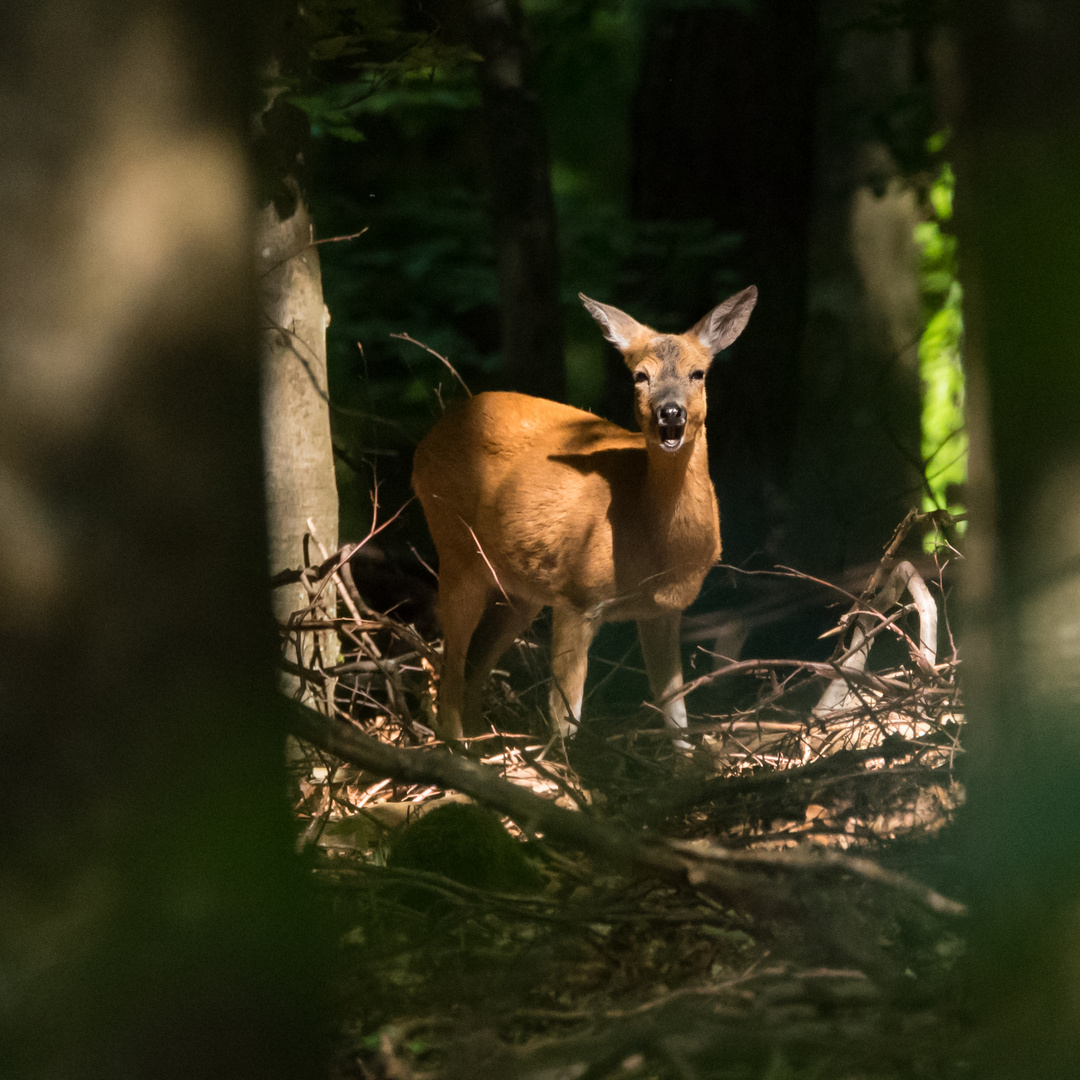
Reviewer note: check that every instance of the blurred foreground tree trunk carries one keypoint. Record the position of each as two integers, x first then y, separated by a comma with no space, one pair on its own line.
857,456
1018,217
150,902
299,455
522,206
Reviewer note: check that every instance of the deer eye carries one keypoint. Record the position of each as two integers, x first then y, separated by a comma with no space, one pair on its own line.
641,377
697,376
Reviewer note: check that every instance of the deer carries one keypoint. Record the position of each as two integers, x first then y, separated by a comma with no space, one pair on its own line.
532,503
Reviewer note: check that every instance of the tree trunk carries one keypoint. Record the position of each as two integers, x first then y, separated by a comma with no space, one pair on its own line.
150,899
1018,220
857,458
301,487
523,210
299,455
722,125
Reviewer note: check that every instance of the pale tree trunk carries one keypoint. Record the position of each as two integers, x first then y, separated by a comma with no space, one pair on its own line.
1018,219
149,897
301,490
856,461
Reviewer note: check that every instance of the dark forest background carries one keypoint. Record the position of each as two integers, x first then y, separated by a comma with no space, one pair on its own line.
657,156
156,922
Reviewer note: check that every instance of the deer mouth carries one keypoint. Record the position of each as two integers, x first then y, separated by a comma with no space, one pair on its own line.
672,435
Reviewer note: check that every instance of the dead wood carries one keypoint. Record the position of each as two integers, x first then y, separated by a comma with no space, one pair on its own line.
735,877
687,793
656,946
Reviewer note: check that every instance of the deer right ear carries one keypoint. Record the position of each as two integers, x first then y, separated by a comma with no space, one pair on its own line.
618,327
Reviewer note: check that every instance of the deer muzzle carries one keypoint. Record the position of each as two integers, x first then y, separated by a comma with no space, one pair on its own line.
671,421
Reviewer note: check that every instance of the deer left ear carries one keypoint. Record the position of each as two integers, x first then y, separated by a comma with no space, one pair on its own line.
726,322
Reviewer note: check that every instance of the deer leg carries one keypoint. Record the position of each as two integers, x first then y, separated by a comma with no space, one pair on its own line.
571,635
461,607
502,622
660,645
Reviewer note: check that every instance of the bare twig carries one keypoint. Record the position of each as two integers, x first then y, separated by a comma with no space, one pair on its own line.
339,239
438,356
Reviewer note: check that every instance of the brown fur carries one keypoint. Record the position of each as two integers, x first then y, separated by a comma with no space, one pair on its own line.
532,503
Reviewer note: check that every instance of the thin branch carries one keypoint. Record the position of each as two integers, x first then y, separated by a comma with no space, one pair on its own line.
438,356
339,239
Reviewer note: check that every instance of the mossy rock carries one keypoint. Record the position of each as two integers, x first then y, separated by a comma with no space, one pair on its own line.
468,844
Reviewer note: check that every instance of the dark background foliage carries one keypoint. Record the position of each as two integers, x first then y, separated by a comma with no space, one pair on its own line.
693,148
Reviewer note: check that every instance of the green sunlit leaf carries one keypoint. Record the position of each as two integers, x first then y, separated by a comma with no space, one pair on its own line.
944,438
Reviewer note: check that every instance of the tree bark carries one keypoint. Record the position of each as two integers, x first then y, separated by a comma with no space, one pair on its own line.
857,456
522,206
1018,222
722,130
298,452
150,899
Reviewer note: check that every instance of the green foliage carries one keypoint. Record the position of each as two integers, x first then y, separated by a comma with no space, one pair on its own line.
364,62
643,264
587,51
944,438
425,265
333,111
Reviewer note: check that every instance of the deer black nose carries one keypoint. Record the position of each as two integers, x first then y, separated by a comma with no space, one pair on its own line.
670,415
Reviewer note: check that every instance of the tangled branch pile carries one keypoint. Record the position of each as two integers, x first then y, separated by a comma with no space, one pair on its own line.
645,925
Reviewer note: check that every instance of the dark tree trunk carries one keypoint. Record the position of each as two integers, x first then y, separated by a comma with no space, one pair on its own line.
1019,226
150,899
523,211
857,459
723,124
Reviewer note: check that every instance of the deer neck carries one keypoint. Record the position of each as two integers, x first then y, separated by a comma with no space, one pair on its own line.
678,488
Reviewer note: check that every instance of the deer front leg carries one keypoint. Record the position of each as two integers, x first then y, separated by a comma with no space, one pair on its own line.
660,645
571,635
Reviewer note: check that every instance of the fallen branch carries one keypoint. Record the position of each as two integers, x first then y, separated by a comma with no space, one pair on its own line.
840,693
688,794
711,867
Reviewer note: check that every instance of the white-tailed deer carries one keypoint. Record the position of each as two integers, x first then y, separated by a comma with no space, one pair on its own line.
532,503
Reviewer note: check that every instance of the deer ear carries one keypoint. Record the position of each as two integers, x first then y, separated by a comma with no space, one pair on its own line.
618,327
727,321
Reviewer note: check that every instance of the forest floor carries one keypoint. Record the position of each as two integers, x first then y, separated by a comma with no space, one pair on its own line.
795,914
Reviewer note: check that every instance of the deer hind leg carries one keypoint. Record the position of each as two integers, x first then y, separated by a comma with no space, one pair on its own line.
571,635
462,601
660,645
503,621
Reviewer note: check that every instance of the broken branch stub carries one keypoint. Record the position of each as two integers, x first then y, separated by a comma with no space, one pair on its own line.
839,694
